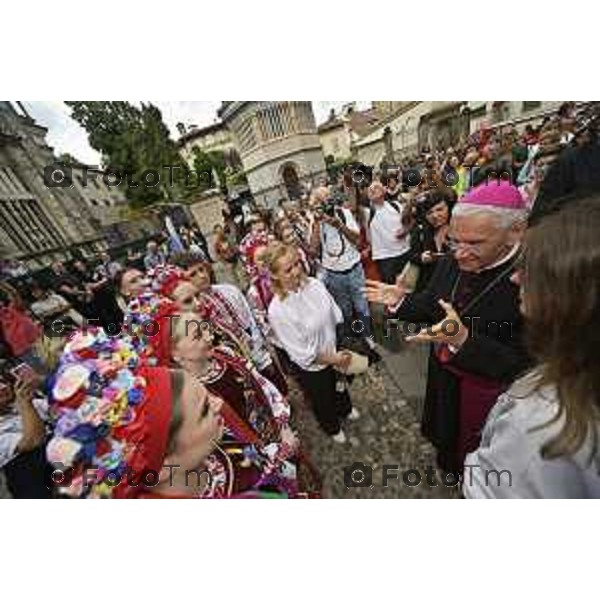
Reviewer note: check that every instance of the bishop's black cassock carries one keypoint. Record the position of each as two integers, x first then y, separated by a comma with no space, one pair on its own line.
462,387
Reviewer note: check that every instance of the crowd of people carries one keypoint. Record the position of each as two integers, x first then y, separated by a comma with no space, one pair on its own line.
489,251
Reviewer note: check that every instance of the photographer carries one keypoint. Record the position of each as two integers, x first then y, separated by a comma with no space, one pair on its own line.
428,238
336,235
22,436
386,233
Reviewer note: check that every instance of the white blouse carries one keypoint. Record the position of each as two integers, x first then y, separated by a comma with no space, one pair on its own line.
305,323
508,462
11,429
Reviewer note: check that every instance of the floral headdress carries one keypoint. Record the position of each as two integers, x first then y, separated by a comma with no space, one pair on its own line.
111,417
248,247
148,322
161,275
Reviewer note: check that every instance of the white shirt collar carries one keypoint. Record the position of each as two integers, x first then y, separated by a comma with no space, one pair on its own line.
504,259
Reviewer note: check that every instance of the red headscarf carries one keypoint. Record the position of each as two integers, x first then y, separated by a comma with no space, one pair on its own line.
171,281
149,433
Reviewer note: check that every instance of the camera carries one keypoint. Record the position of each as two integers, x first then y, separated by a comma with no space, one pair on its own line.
327,209
58,176
59,476
331,204
358,475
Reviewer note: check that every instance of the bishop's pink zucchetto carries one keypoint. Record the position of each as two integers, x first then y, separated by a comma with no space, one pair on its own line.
501,194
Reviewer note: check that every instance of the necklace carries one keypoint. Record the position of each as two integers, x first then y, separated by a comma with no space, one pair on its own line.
483,292
214,307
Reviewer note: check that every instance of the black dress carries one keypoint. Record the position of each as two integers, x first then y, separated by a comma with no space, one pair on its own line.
422,239
488,303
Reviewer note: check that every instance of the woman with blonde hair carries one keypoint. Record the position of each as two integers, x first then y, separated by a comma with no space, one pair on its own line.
541,437
304,317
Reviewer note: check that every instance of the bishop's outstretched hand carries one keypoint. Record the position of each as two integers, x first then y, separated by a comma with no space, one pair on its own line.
383,293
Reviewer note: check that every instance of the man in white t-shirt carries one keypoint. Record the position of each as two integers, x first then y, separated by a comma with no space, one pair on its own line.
336,234
390,242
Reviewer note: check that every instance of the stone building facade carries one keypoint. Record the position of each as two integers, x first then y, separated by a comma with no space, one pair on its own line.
207,139
104,200
41,222
487,113
37,222
278,145
436,124
207,211
336,137
397,133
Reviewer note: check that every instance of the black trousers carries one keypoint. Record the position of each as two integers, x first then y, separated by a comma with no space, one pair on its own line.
275,376
390,268
28,475
329,406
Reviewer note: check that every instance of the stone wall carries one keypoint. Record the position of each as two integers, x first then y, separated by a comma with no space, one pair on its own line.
207,211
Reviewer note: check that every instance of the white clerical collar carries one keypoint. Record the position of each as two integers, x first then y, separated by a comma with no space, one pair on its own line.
504,259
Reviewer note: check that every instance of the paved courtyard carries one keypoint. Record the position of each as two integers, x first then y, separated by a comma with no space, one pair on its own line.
389,399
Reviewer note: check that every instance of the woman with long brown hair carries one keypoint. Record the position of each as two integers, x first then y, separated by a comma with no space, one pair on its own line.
541,438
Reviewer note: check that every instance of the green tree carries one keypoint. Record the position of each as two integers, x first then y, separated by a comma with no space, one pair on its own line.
203,170
67,159
134,141
219,165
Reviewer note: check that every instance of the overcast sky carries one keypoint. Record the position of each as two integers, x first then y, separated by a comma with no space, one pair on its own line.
65,135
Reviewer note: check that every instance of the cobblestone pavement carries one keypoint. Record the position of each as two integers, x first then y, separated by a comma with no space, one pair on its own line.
387,432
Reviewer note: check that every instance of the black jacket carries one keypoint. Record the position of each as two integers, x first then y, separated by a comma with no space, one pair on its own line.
495,348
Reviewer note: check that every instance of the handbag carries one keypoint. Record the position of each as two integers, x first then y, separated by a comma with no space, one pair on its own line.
358,364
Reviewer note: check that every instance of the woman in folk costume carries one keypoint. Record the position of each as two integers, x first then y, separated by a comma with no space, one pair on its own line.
228,312
260,290
118,424
255,412
130,283
476,328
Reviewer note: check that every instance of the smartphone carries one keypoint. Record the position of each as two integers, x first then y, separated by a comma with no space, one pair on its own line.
22,372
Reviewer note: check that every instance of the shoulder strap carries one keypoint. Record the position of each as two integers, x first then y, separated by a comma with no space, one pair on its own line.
341,215
394,204
371,214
